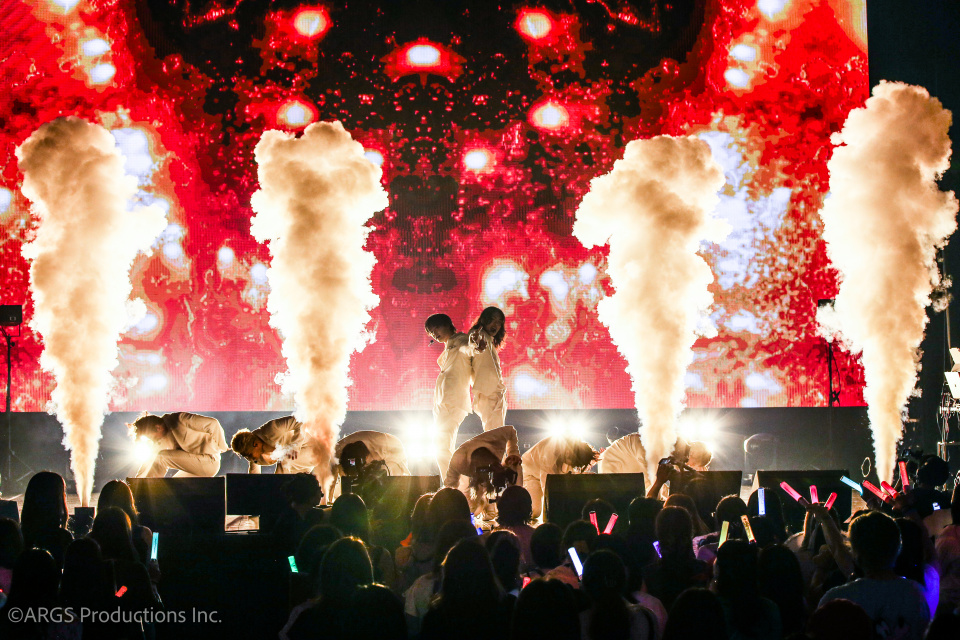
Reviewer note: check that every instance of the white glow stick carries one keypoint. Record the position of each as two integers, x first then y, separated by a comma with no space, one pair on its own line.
576,561
762,502
853,485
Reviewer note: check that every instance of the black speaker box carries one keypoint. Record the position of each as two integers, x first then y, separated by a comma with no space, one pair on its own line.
566,493
8,509
251,494
11,315
181,506
827,482
708,487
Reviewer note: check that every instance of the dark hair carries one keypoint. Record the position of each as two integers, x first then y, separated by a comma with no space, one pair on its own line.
355,449
438,320
546,609
11,542
468,583
505,558
933,472
945,626
447,504
389,621
684,501
514,506
349,515
545,546
111,530
579,531
840,620
736,571
675,533
452,532
345,568
781,580
84,582
44,506
604,581
643,516
418,517
955,505
875,541
35,581
580,454
602,508
773,507
488,315
910,560
116,493
302,488
729,509
696,613
145,421
313,545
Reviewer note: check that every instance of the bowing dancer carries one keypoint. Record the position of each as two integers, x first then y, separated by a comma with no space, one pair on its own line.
451,396
363,455
187,442
489,392
554,454
283,442
483,466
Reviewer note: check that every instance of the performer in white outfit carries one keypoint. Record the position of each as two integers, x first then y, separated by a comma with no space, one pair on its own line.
451,396
362,448
283,442
188,442
554,454
489,392
627,455
496,450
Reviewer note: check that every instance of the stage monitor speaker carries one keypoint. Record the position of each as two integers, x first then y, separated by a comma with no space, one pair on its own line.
257,494
565,494
181,506
708,487
8,509
827,482
11,315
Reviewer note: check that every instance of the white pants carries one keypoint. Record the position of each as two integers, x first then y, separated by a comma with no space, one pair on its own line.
446,423
531,482
492,409
187,464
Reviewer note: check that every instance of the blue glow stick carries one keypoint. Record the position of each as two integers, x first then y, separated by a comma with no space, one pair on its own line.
473,521
762,502
853,485
576,561
656,547
155,544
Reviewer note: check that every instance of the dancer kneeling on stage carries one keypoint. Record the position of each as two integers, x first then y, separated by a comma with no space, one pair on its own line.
554,454
483,467
282,442
363,458
188,442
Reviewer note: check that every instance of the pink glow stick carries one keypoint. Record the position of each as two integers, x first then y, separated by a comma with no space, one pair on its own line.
904,476
593,521
612,521
830,501
873,489
793,493
814,496
886,487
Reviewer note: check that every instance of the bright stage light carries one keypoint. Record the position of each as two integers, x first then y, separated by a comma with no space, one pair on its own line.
549,115
225,256
744,52
691,429
66,5
477,160
535,25
567,427
374,156
6,199
423,55
737,77
296,113
95,47
771,8
311,23
143,451
102,73
419,442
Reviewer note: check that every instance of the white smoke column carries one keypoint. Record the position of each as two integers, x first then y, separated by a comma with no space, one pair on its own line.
85,243
316,194
883,222
653,209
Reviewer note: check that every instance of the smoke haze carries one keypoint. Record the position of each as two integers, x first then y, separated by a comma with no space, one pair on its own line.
86,240
316,194
653,209
883,222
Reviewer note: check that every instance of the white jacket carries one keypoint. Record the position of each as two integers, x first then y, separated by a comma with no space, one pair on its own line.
453,383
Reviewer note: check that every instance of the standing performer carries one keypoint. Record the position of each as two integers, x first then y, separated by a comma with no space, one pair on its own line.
489,392
451,396
188,442
554,454
483,467
363,454
282,442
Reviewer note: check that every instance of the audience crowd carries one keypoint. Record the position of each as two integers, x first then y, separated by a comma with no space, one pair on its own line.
666,571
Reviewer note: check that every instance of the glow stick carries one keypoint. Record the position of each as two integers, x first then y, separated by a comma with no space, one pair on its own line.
610,523
576,561
293,564
904,476
473,521
814,496
793,493
886,487
526,581
154,545
656,547
122,590
853,485
830,501
873,489
593,521
762,502
748,528
724,530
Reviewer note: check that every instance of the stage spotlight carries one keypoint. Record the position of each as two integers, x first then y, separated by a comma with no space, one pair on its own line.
567,427
95,47
296,113
691,429
418,442
102,73
374,156
477,159
311,23
534,25
737,78
423,55
143,451
549,115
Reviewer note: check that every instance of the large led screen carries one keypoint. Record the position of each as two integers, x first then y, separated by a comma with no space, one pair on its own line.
488,119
